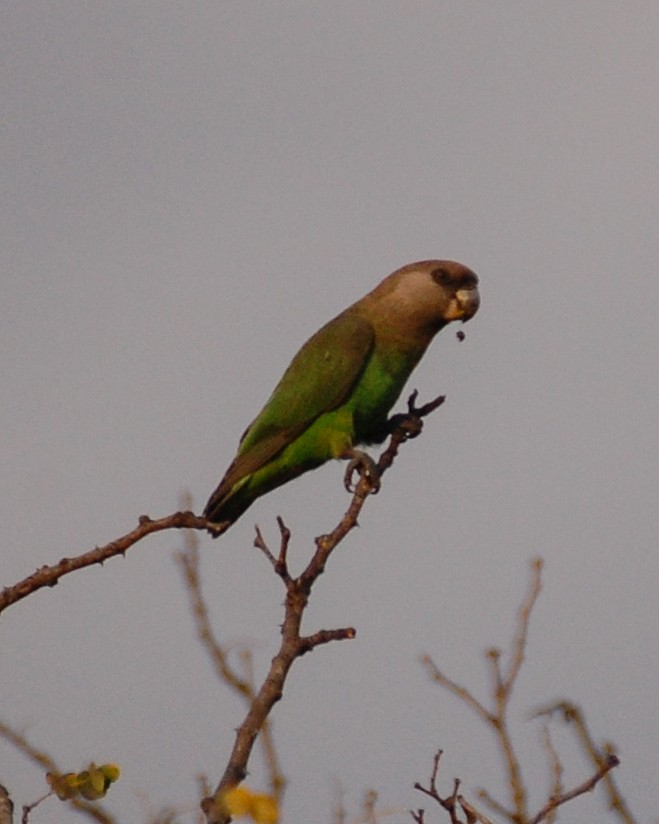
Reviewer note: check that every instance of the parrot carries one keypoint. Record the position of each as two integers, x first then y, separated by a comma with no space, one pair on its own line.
339,388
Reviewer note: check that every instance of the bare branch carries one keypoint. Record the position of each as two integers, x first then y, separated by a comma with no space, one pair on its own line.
449,803
292,646
502,685
587,786
523,622
280,563
572,714
555,766
48,576
456,689
472,813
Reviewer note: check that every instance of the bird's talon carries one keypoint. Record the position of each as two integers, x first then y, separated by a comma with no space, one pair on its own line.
365,466
412,426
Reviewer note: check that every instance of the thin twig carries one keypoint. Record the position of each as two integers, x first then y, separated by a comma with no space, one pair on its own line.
556,801
555,766
523,623
450,802
572,714
456,689
472,813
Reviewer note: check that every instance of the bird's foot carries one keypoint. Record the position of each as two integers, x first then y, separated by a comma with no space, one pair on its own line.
363,464
407,425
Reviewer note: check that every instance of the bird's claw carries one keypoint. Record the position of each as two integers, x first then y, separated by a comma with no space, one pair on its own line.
408,425
363,464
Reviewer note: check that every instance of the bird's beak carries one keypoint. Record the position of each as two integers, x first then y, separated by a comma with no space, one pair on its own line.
464,305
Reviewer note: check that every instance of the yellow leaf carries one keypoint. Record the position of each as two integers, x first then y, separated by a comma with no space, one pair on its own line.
64,786
241,801
91,783
95,781
264,810
111,772
238,800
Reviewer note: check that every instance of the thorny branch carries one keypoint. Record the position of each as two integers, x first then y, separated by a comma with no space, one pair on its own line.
298,590
48,576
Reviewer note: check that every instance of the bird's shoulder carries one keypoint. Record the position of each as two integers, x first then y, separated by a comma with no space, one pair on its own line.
318,380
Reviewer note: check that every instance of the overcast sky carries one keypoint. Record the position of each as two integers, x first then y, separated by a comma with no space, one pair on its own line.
191,190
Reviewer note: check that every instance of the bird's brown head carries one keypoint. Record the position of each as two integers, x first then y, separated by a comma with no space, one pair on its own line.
423,297
411,305
460,286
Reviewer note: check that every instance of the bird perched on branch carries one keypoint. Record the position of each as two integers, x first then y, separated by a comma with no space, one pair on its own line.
339,388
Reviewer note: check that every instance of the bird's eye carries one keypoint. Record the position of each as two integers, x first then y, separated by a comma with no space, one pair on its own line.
441,276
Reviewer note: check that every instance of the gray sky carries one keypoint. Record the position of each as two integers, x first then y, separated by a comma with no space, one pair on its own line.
190,190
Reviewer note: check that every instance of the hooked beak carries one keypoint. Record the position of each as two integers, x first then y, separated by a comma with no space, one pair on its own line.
464,305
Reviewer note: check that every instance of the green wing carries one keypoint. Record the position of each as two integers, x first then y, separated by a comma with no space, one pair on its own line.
319,379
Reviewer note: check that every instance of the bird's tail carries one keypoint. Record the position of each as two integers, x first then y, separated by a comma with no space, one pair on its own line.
224,507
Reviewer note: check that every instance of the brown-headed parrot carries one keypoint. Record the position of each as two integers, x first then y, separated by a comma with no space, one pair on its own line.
339,388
